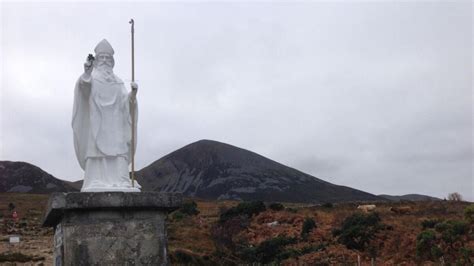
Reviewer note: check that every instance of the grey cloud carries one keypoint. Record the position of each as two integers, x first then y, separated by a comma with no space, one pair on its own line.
377,96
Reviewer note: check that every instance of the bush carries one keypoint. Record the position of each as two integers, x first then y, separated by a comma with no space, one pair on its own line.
357,230
441,227
291,210
459,227
245,208
177,216
18,257
223,233
426,247
182,257
268,250
311,249
455,227
189,208
466,254
327,205
436,252
469,213
308,225
294,253
452,230
430,223
276,206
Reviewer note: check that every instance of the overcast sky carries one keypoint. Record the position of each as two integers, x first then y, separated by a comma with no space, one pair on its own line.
372,95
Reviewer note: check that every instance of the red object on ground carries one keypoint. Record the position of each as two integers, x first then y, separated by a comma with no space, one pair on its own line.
15,216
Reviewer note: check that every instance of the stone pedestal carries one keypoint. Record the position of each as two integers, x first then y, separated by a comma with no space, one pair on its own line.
110,228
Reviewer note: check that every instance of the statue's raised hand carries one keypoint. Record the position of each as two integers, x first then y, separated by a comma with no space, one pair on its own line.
88,66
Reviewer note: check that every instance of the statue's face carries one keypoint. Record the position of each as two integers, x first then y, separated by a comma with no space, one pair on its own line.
104,59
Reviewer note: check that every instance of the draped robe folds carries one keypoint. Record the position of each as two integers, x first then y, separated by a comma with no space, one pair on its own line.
102,125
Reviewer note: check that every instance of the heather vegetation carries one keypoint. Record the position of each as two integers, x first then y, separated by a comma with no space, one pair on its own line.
308,225
446,242
430,223
469,213
268,251
187,209
233,233
358,230
276,206
246,209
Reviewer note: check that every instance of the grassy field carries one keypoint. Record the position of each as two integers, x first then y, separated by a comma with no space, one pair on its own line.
275,235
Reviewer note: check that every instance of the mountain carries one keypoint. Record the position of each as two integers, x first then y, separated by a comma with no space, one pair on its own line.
25,177
409,197
212,170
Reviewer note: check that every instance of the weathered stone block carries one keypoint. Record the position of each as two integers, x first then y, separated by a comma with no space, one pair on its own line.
110,228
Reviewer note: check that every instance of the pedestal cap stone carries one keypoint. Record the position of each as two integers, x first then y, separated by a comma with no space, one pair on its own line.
59,203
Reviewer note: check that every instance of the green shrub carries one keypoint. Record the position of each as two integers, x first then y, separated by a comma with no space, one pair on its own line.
276,206
430,223
18,257
441,227
189,208
245,208
177,216
358,229
294,253
308,225
466,255
426,245
455,227
336,231
469,213
436,252
181,257
311,249
289,253
223,233
291,210
268,250
452,230
328,205
459,227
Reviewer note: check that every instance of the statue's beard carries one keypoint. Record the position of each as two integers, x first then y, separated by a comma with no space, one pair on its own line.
106,72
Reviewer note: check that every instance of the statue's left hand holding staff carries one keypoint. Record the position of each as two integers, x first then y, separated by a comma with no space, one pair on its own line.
134,86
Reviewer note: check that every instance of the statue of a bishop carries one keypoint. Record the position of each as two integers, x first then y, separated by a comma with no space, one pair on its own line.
102,124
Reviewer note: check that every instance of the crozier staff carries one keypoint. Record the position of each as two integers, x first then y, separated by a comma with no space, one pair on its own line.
132,102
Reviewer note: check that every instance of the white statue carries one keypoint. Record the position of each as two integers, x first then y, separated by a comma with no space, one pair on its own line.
102,124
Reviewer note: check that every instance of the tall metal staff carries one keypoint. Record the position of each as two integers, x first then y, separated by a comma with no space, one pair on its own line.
132,103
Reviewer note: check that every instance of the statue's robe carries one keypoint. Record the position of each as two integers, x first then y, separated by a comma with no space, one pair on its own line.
102,125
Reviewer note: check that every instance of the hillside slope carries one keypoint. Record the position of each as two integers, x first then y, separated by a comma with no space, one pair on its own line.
25,177
213,170
409,197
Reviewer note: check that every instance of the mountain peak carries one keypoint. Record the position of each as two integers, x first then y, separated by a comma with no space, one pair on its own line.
214,170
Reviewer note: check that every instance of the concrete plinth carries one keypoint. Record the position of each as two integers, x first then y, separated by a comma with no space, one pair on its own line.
110,228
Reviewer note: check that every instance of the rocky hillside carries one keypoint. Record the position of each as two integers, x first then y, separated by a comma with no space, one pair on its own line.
25,177
212,170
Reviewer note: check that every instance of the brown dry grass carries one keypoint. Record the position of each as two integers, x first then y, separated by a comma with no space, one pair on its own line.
193,234
35,242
